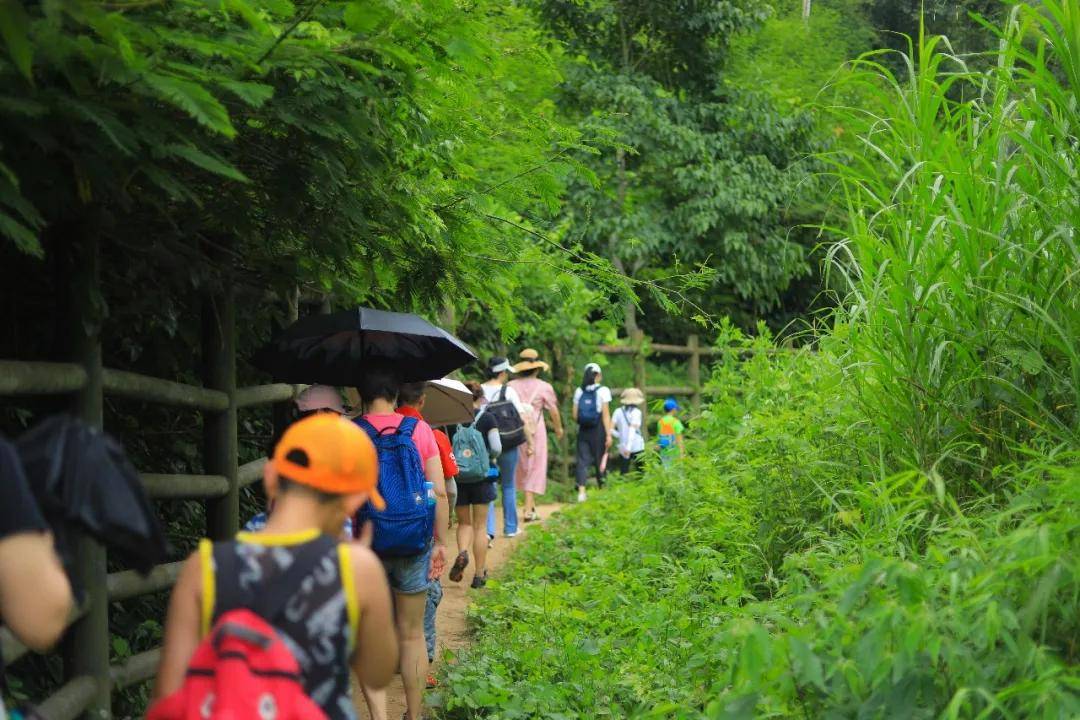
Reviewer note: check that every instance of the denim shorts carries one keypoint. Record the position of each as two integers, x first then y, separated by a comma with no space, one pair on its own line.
408,575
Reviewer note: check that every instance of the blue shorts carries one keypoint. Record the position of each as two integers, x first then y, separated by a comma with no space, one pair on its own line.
408,575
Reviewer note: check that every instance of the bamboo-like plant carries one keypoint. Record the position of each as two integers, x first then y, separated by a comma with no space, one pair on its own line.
961,258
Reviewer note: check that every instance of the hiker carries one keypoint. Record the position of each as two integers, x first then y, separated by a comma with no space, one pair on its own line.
626,424
408,456
669,432
411,399
313,400
35,593
537,396
592,412
504,405
326,602
476,447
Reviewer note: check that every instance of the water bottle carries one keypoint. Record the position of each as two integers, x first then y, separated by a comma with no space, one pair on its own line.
429,490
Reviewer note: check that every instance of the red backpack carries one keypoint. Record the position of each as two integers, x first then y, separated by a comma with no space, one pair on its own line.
242,670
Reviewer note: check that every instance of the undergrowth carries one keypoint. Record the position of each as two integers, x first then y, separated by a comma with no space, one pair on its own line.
768,577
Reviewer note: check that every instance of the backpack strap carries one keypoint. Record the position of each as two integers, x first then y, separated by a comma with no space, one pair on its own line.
407,426
502,394
367,427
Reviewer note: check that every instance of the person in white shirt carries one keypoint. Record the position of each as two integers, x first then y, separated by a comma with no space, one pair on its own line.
495,389
626,424
592,412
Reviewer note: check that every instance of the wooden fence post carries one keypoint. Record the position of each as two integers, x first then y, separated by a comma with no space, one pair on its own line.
219,428
693,343
86,645
637,341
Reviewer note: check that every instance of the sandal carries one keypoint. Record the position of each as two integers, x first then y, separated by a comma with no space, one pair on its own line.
532,516
460,563
479,581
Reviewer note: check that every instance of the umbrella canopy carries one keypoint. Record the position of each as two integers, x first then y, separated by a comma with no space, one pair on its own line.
82,479
335,349
447,402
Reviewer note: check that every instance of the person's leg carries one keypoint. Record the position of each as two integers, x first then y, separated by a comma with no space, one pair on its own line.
530,503
480,547
434,597
409,614
376,702
508,471
465,527
581,466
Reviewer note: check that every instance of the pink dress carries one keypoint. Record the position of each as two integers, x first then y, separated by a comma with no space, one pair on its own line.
532,470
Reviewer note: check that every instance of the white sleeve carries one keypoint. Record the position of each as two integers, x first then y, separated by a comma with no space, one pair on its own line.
635,419
604,395
494,442
577,394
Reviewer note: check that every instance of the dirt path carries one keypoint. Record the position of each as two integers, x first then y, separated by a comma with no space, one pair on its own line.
451,626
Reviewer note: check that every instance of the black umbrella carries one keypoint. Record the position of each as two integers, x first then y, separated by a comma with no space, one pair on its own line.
335,349
82,479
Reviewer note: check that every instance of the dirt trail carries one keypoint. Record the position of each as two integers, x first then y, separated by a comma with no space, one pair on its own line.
452,629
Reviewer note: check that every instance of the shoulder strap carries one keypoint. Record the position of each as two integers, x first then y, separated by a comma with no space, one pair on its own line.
272,600
407,426
367,427
502,394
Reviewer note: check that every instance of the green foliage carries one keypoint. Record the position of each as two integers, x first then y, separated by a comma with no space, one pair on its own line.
775,574
963,303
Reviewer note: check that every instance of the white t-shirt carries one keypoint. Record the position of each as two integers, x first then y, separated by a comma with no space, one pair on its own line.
603,395
626,427
492,392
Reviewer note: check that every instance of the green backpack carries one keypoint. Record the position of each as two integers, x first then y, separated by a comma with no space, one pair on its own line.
471,454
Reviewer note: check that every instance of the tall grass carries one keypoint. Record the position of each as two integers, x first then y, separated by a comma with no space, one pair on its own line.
961,260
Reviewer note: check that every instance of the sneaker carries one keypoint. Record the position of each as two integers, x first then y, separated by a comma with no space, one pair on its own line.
491,541
532,516
479,581
460,563
581,495
512,534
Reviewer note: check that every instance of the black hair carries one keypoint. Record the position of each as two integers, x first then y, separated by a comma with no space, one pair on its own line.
380,382
475,389
530,373
589,378
288,485
495,362
411,393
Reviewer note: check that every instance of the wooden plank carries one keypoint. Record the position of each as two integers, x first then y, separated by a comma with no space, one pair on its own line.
669,390
184,487
121,383
71,700
129,584
662,349
267,394
250,473
136,668
616,350
40,378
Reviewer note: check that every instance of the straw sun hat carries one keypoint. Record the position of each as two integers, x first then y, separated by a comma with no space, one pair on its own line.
632,396
530,360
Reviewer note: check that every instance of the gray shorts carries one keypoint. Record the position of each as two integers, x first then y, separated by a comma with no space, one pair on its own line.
408,575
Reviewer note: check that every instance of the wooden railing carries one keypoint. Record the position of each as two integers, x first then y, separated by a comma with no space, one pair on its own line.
89,680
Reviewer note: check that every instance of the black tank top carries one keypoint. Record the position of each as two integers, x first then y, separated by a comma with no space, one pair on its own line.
317,624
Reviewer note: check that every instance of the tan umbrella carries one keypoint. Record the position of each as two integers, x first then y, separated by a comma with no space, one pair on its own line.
448,402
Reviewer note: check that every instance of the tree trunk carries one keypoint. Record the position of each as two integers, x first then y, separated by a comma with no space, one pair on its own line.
629,308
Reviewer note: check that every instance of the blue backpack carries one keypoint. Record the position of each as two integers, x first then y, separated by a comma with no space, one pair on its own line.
588,409
405,527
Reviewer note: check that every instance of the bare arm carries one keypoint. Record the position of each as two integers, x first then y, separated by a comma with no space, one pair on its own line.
35,595
376,657
182,628
607,425
433,473
556,420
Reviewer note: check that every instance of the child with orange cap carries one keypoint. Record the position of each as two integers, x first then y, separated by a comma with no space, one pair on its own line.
323,469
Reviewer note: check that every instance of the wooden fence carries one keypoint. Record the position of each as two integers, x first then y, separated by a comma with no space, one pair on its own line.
639,349
89,679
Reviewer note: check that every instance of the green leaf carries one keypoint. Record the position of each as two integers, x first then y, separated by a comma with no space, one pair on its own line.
25,239
15,30
193,99
253,94
807,665
207,162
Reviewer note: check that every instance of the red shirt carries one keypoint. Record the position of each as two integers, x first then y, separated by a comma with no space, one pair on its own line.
446,450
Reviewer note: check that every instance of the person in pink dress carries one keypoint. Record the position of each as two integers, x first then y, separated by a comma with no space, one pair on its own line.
536,396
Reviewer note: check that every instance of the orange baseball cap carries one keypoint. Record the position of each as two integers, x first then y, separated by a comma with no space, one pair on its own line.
341,458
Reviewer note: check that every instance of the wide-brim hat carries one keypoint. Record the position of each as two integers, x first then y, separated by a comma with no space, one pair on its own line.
632,396
530,360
